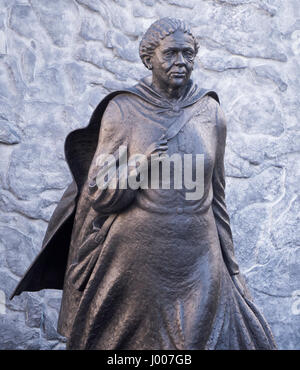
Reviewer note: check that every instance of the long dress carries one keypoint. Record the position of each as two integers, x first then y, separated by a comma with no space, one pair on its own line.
158,273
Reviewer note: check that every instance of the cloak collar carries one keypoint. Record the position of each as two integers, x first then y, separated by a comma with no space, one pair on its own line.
192,94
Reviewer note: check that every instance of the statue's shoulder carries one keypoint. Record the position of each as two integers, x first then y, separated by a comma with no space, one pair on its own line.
207,95
207,103
120,111
122,100
116,105
200,95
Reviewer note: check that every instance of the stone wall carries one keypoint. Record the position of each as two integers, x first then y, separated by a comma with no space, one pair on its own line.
59,58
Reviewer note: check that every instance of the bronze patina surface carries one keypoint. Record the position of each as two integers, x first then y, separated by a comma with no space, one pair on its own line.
147,268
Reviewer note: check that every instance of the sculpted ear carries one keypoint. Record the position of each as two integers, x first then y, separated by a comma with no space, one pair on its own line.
147,62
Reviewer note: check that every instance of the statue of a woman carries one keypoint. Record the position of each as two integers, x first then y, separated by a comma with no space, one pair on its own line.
148,267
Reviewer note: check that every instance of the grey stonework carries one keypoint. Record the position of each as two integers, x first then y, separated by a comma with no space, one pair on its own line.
59,58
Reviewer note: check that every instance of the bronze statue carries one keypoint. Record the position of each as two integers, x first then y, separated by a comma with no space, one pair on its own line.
143,267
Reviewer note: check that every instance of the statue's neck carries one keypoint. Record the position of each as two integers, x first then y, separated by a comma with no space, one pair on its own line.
169,92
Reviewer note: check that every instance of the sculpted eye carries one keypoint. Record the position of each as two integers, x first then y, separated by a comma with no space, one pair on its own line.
188,54
169,53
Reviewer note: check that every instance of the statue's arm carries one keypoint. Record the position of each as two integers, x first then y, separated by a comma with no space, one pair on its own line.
219,204
220,210
112,144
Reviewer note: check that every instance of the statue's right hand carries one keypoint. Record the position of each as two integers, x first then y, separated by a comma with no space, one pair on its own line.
157,149
154,151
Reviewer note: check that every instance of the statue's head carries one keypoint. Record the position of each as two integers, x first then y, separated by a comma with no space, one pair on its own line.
168,49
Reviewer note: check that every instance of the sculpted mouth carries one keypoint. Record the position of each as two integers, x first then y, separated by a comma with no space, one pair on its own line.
178,74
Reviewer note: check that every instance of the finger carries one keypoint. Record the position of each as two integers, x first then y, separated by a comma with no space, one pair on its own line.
160,146
163,141
160,149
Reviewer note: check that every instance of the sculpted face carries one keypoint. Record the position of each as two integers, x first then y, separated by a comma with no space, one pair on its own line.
173,60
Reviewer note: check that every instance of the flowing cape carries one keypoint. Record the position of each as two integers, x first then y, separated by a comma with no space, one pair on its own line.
49,267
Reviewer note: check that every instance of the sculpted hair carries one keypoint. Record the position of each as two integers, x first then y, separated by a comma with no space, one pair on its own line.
158,31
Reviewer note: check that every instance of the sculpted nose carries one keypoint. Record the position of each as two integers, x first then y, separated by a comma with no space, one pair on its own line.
179,59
